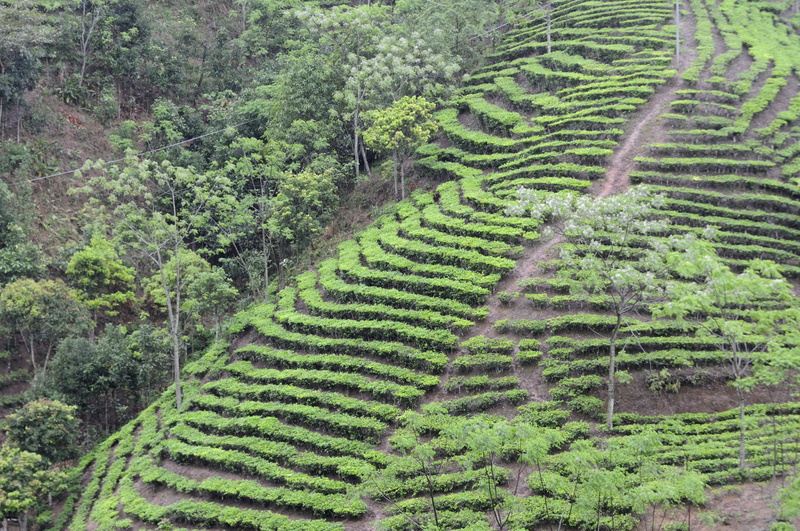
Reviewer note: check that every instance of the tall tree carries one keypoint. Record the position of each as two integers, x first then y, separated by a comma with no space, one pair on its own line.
90,14
378,62
599,258
399,130
256,173
751,317
107,379
156,211
18,257
349,37
302,206
455,25
208,293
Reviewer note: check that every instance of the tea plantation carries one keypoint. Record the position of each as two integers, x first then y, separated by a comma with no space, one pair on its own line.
381,388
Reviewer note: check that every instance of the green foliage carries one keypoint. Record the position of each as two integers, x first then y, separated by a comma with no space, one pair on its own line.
318,503
789,499
598,233
24,480
367,334
103,280
338,362
479,383
736,313
484,345
109,379
44,312
433,362
206,289
362,428
26,31
320,379
302,207
45,427
423,338
157,211
506,297
400,129
18,256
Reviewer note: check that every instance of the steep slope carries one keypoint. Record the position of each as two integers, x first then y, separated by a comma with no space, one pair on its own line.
284,430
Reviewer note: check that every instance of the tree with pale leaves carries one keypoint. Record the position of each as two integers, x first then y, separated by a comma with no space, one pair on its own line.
378,67
156,211
601,255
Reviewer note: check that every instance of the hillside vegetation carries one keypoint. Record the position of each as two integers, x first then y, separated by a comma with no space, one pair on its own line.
448,367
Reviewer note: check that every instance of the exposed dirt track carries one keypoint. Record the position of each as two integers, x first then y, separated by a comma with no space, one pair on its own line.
633,143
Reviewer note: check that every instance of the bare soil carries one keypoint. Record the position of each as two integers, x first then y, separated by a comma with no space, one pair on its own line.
746,507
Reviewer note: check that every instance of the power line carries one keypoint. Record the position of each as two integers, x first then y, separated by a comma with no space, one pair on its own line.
506,24
142,153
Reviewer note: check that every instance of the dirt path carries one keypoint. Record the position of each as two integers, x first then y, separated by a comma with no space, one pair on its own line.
645,127
527,267
632,145
648,127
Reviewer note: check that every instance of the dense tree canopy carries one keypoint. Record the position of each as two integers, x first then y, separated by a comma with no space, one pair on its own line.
45,427
43,313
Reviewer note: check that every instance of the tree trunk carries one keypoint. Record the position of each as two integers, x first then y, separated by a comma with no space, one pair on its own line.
29,347
173,313
677,32
355,140
742,451
402,181
265,255
394,172
176,367
431,490
47,357
612,366
86,36
549,20
202,70
23,522
366,162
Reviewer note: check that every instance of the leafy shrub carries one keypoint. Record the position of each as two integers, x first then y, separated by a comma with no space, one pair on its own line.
506,297
587,405
545,414
484,345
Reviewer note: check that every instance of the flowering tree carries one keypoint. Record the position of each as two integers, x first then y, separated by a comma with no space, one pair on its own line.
598,255
379,67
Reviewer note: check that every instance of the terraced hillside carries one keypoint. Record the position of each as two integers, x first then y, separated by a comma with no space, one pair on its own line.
298,424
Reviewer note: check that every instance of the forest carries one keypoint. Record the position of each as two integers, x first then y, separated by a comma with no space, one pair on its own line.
399,265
